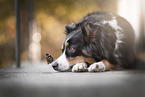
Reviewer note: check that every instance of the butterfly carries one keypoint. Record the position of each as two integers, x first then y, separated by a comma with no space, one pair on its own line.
49,58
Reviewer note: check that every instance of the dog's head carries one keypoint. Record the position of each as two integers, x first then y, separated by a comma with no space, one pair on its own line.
73,48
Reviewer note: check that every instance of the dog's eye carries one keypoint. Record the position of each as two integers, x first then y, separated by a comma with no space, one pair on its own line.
71,49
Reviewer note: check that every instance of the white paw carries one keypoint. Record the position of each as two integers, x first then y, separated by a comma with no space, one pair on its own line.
99,66
79,67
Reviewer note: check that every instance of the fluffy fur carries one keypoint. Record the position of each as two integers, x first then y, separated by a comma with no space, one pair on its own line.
101,35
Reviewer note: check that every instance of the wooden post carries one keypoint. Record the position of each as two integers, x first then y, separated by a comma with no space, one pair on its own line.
17,49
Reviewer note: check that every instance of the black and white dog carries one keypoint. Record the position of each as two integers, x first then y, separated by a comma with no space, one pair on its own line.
100,41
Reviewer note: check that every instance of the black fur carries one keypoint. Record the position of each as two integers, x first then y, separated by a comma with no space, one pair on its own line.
99,39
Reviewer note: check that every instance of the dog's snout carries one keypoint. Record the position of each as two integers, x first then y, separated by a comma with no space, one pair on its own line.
55,66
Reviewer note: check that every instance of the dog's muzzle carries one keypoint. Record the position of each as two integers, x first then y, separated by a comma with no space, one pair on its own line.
55,66
60,64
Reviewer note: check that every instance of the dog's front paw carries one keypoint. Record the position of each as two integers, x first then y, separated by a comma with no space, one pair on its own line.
78,67
99,66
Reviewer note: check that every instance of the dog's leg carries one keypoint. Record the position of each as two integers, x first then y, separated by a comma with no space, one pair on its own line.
78,67
101,66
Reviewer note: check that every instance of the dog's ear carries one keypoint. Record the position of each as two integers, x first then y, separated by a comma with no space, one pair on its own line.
70,28
67,29
89,32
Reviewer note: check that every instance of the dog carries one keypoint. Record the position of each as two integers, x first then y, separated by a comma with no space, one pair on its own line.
101,41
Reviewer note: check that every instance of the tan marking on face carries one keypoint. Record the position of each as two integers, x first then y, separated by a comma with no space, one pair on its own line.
79,59
62,47
85,52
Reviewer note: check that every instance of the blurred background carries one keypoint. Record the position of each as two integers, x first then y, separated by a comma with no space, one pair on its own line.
42,25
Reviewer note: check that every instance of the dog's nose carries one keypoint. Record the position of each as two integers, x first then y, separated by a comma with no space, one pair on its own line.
55,66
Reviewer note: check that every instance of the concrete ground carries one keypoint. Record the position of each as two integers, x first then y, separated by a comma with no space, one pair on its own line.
40,80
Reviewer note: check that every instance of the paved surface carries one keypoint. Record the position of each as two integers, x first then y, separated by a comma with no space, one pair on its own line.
40,80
